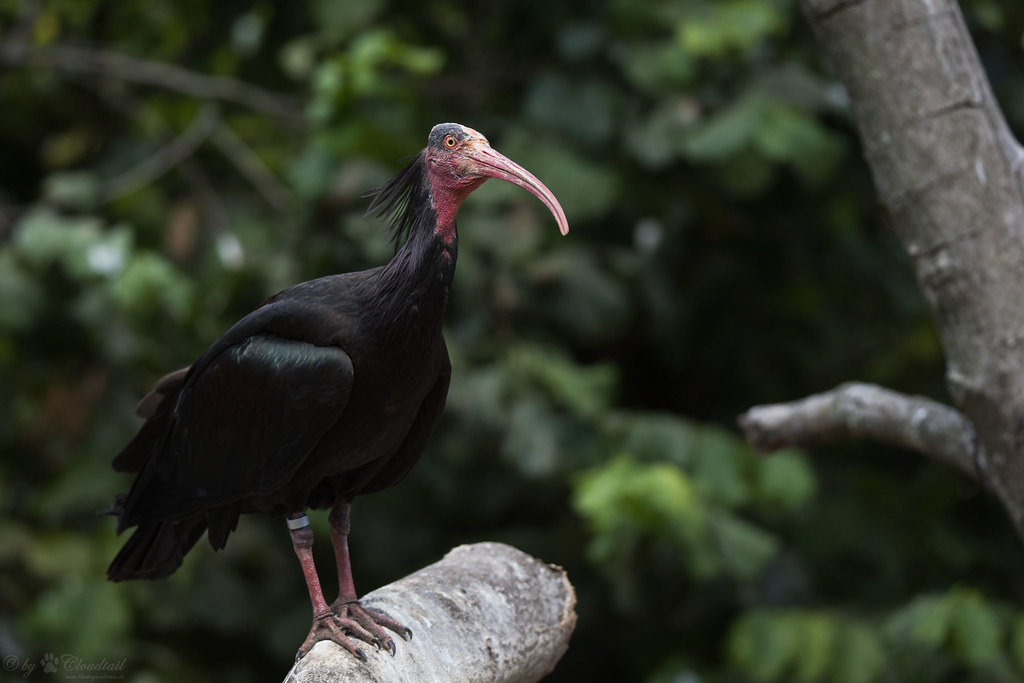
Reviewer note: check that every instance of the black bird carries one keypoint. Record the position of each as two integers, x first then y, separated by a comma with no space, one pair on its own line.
330,389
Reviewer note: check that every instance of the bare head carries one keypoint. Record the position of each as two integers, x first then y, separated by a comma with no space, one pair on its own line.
459,160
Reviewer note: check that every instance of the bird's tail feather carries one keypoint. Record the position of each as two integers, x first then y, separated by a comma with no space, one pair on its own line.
156,548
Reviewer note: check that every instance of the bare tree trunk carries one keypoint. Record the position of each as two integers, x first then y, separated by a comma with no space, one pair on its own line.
485,612
948,172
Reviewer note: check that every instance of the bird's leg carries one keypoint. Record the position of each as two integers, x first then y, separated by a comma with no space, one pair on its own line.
324,625
357,620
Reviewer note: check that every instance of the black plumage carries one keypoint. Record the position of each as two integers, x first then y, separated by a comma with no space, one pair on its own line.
328,390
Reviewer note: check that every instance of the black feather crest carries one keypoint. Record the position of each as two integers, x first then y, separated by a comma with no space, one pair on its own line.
400,202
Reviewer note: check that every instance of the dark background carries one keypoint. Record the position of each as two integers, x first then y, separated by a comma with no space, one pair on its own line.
726,250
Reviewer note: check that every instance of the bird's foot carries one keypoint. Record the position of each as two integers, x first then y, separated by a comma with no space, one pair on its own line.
368,625
348,620
326,626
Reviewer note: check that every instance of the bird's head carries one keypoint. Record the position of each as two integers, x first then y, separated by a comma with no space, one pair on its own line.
459,160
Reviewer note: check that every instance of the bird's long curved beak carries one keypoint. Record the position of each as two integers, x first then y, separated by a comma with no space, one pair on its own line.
493,164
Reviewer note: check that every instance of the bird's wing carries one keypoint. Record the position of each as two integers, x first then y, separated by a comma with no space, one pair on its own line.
168,384
137,453
419,433
246,418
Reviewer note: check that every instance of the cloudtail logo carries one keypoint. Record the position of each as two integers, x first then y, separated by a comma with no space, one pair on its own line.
66,667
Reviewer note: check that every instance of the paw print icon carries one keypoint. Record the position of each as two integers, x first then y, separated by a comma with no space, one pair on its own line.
49,663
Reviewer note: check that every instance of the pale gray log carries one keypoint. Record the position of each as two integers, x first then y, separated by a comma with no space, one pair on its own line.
485,612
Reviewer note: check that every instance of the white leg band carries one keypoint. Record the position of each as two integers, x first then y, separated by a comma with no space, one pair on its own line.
297,523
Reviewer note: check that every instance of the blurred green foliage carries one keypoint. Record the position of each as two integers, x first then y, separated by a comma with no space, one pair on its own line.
726,251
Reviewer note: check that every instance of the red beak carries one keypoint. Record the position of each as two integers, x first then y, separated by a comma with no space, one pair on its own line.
493,164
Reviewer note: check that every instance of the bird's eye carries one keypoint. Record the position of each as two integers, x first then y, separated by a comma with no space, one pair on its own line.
449,141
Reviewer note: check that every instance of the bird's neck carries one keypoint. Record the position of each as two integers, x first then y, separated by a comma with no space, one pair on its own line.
429,261
412,291
446,196
446,205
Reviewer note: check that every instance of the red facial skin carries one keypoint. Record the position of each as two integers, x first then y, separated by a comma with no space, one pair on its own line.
459,166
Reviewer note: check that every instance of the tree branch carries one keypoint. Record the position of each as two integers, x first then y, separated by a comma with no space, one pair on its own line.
948,171
867,411
167,157
251,167
485,612
95,62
